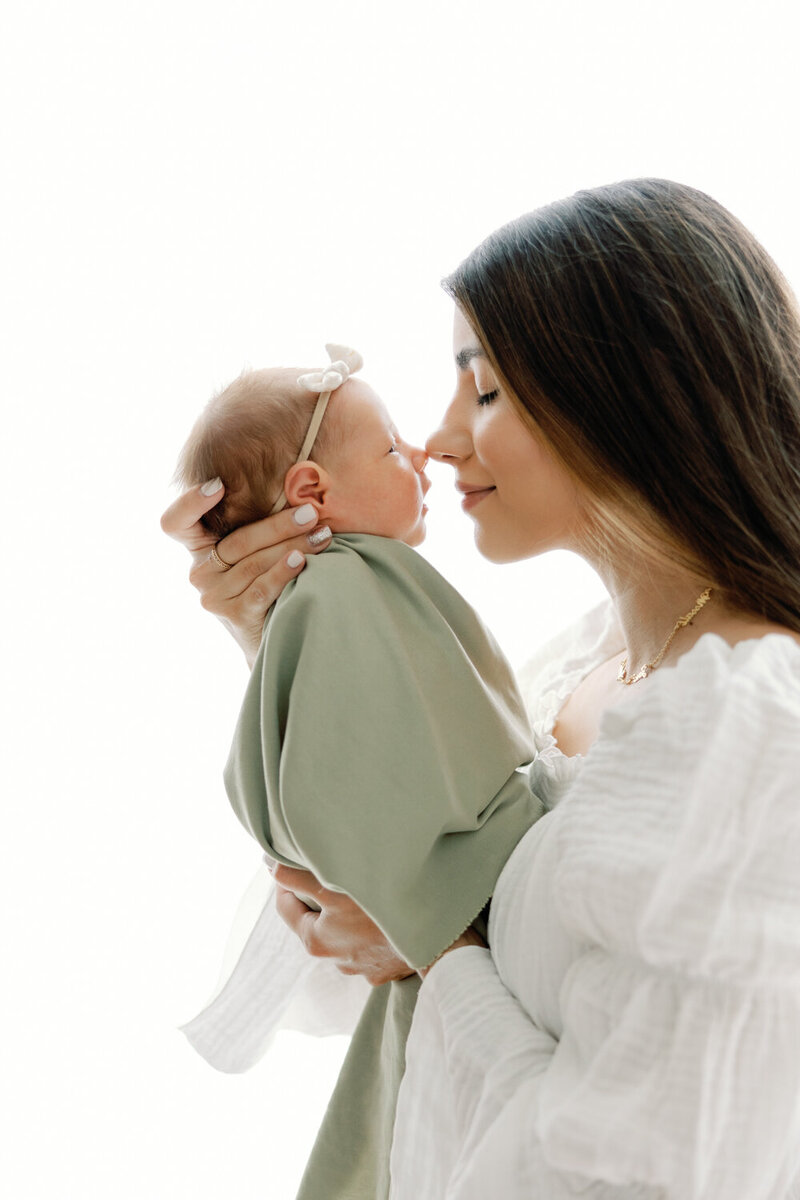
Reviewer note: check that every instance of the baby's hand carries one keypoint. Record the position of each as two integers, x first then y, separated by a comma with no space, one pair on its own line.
241,576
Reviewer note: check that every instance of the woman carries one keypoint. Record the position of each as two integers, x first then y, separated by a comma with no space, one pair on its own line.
628,388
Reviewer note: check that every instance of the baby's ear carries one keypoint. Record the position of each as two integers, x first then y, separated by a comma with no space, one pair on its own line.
306,481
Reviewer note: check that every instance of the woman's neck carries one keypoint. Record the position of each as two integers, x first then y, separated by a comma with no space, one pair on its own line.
650,604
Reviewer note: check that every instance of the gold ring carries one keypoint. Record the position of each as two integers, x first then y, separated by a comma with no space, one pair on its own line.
217,558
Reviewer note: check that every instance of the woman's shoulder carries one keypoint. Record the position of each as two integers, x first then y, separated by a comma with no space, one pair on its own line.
721,714
717,685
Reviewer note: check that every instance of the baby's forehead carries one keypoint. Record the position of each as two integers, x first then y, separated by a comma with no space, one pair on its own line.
356,402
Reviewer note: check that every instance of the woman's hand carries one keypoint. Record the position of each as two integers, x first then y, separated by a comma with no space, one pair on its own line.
263,557
340,931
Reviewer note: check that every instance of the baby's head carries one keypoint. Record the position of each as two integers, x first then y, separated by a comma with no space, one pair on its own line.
360,475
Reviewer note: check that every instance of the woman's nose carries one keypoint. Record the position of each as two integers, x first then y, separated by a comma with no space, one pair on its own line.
446,446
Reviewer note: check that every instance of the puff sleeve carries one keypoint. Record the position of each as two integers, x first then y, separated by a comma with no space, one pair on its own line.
675,1068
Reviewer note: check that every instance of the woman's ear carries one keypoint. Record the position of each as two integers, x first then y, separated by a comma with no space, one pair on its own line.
304,482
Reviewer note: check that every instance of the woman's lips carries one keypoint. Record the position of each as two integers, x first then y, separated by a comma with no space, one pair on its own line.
474,496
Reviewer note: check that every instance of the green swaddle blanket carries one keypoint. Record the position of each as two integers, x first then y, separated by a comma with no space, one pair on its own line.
378,746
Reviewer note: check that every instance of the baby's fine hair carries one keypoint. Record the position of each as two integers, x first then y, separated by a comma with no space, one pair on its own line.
249,435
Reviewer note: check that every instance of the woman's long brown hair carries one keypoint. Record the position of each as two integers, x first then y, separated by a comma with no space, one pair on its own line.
656,346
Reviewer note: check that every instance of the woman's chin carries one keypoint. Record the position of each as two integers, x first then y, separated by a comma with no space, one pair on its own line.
494,550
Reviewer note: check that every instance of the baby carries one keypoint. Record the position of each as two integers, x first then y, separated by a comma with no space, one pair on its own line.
363,478
380,737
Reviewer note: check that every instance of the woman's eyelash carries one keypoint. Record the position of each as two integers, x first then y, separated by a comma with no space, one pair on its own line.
488,397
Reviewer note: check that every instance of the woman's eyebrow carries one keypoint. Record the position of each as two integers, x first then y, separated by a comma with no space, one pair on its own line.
465,356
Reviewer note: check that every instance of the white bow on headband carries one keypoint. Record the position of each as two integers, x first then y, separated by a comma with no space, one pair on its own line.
345,362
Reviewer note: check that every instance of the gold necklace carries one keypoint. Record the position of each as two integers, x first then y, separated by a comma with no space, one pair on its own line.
622,674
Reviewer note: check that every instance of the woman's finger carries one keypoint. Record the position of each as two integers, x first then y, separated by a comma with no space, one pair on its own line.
340,931
271,531
298,916
293,879
182,519
242,602
219,583
241,576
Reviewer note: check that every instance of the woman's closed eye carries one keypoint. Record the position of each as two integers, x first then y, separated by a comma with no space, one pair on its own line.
488,397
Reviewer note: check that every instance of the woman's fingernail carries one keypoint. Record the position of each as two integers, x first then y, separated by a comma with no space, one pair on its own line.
319,536
304,514
295,559
212,486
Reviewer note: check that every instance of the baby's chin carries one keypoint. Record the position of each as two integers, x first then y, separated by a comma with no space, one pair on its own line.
418,535
417,540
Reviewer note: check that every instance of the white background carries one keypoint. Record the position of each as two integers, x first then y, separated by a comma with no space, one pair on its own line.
189,188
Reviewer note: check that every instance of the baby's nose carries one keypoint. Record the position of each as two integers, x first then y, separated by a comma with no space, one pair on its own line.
419,460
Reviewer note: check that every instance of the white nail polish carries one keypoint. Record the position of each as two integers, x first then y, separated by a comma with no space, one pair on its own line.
305,513
295,559
319,536
212,486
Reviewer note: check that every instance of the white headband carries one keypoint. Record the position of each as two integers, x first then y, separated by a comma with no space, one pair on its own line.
344,362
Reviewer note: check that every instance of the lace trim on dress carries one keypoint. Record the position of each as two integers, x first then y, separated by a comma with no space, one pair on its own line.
551,771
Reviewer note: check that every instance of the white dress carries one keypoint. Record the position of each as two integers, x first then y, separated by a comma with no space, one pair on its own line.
635,1030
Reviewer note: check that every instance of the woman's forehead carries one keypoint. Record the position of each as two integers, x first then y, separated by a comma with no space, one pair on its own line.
466,345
